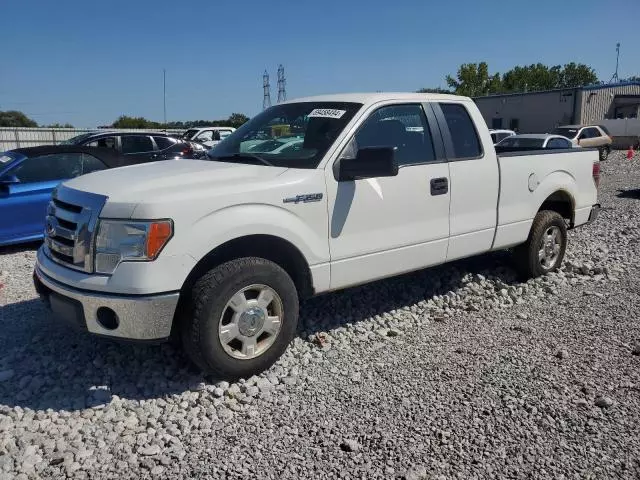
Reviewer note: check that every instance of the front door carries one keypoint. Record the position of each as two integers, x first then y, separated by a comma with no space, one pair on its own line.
384,226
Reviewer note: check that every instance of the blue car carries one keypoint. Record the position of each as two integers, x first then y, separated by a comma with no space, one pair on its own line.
29,175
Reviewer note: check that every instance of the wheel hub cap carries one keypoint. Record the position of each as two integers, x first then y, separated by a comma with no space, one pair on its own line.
251,321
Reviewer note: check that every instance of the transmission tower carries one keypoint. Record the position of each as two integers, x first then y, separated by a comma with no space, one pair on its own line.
266,87
282,85
615,78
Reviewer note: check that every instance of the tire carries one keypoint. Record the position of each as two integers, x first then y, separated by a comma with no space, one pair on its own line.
233,307
530,260
604,153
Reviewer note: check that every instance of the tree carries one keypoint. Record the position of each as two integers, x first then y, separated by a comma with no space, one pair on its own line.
473,80
237,119
577,75
59,125
633,78
434,90
13,118
125,121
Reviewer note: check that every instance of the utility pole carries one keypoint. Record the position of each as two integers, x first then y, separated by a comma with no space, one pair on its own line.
615,78
266,88
164,96
282,85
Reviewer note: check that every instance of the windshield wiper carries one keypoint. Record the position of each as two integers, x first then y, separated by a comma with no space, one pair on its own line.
242,156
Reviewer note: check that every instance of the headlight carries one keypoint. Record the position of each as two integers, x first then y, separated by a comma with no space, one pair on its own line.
121,240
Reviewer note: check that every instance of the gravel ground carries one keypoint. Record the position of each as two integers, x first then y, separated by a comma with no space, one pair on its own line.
454,372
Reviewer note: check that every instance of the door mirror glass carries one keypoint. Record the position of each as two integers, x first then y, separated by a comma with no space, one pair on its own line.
9,180
370,162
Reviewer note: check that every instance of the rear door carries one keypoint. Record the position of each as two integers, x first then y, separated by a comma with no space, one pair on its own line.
389,225
139,147
23,204
474,179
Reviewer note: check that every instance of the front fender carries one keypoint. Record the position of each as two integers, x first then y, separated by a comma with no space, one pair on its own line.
309,234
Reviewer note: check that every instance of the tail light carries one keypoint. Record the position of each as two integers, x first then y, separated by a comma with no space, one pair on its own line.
187,150
595,172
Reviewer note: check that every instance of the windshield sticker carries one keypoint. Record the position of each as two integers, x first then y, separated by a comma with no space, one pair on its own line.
5,158
326,113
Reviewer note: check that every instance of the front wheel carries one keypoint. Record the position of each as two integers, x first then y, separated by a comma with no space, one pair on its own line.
544,249
243,315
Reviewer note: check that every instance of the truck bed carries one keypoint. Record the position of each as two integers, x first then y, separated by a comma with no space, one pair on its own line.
550,175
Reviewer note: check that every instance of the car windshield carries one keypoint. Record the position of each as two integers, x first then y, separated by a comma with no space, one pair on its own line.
566,132
77,140
519,142
292,135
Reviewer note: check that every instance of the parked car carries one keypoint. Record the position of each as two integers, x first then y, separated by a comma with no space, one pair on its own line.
208,136
592,136
147,146
278,145
29,175
221,252
499,135
533,141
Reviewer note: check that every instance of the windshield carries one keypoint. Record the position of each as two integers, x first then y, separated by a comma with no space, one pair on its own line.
566,132
519,142
292,135
77,140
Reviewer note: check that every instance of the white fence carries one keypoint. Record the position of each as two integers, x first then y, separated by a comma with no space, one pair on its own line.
11,138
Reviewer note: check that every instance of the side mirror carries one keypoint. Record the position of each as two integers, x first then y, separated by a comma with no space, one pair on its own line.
9,180
369,163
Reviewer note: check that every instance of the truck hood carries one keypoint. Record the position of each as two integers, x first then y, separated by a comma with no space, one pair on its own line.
149,181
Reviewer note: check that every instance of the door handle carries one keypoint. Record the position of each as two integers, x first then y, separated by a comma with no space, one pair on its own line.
439,186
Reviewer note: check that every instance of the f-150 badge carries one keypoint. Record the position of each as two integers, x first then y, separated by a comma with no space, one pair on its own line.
306,198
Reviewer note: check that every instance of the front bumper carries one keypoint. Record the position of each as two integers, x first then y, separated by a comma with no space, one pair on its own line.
132,317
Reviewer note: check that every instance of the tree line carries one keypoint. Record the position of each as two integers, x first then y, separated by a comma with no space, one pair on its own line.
14,118
475,80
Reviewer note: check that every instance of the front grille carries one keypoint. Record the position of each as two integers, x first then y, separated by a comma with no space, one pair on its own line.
69,228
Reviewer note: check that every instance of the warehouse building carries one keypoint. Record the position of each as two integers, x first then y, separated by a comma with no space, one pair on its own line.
540,112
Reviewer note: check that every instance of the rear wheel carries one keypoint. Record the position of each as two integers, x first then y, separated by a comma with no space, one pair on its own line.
544,249
243,315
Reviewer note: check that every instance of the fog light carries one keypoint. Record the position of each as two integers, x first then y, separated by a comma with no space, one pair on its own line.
107,318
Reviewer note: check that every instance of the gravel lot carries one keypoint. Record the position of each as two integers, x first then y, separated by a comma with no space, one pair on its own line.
455,372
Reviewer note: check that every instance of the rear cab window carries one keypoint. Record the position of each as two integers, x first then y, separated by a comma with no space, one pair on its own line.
464,136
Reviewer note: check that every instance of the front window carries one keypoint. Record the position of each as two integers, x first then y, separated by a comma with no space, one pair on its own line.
566,132
292,135
189,133
104,142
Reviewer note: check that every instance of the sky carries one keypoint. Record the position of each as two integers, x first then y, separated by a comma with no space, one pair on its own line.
87,63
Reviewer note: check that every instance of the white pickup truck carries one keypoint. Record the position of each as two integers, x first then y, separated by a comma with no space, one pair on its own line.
221,251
